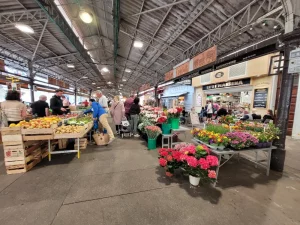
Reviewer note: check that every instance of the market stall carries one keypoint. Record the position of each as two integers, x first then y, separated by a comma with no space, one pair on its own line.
28,142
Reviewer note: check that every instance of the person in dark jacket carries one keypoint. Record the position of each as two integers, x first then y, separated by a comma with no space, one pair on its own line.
134,112
100,113
56,104
222,111
269,116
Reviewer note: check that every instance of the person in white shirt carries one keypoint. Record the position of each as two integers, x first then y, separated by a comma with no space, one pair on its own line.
209,110
102,100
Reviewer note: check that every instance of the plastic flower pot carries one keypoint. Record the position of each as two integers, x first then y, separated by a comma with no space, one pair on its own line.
221,147
166,128
259,145
175,123
151,144
269,144
169,121
194,180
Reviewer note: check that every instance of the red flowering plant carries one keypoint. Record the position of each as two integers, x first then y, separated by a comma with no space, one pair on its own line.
198,162
170,160
162,119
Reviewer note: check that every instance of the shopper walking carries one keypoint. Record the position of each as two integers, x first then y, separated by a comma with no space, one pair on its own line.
102,100
128,103
13,108
134,116
40,108
99,113
56,104
117,112
209,110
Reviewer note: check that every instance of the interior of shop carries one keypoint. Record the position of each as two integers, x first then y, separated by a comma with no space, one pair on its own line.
233,101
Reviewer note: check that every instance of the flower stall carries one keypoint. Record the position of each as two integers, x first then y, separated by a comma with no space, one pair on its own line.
197,162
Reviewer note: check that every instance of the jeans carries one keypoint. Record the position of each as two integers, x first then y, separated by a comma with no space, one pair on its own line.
134,123
105,124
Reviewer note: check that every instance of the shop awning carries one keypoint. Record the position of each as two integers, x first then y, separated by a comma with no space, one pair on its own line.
175,95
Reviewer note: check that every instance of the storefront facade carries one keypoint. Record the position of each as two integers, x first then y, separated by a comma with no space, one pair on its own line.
246,84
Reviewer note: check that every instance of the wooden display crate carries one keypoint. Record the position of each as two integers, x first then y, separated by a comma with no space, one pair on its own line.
62,143
20,166
37,134
82,144
11,134
70,135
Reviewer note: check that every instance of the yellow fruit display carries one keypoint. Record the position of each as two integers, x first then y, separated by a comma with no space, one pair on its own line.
68,129
44,122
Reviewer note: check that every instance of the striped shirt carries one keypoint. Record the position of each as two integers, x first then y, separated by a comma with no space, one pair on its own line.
13,110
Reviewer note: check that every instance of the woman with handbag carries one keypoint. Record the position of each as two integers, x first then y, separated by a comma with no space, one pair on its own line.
117,112
13,109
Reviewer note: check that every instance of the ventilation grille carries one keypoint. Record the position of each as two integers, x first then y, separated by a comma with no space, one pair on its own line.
237,70
205,78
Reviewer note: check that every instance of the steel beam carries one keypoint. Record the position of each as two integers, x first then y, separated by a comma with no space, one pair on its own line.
116,28
39,41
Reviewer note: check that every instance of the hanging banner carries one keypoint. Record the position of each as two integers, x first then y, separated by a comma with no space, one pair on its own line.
145,87
2,65
205,58
169,75
13,86
183,69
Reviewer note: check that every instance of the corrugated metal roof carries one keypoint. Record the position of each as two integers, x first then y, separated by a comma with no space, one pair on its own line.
167,33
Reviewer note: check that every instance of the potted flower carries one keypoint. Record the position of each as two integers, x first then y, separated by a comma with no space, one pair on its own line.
166,128
170,160
198,163
174,115
152,132
240,140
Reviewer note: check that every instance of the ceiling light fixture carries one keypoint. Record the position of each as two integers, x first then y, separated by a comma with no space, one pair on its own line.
275,27
128,70
85,16
109,82
84,77
138,44
251,28
124,80
93,83
121,85
105,69
264,23
70,66
98,87
24,28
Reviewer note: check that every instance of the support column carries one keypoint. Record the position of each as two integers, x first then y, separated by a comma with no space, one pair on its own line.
156,95
291,41
31,79
75,93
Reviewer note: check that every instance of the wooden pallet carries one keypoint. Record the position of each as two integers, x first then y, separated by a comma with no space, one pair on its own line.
11,134
37,134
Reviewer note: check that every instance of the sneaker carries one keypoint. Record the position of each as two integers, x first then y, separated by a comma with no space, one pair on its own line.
136,135
111,140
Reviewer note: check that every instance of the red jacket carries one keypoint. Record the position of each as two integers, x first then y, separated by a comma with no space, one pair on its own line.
128,103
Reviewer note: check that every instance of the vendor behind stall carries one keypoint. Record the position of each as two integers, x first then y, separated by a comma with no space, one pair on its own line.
40,108
56,104
100,113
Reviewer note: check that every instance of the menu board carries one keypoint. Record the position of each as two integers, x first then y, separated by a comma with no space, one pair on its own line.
260,98
194,118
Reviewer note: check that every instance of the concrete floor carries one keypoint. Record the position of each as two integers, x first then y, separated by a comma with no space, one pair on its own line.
122,184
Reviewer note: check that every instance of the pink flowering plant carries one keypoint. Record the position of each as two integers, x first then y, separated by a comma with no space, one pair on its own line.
153,131
197,161
241,140
174,112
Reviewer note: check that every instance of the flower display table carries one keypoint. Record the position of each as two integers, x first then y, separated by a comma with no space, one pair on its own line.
228,153
169,137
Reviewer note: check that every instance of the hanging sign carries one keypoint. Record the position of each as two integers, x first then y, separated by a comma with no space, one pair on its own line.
2,65
205,58
260,98
169,75
184,68
227,84
11,86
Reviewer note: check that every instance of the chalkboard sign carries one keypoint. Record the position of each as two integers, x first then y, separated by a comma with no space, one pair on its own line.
260,98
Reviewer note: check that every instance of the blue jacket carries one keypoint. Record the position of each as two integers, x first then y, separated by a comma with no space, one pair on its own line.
96,109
